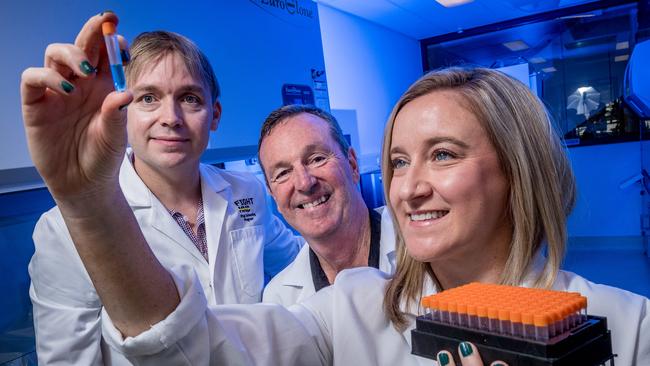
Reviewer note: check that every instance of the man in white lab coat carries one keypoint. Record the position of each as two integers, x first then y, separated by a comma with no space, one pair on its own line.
314,183
191,214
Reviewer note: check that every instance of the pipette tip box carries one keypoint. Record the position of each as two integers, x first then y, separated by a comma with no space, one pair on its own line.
520,326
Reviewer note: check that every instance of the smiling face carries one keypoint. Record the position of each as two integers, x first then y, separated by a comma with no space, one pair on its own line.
311,180
448,191
170,117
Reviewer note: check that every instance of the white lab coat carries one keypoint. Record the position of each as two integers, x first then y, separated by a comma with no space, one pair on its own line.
66,307
343,324
295,283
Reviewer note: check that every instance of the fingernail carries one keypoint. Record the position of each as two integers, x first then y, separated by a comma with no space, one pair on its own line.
106,11
126,56
498,364
124,106
465,349
66,86
443,359
86,67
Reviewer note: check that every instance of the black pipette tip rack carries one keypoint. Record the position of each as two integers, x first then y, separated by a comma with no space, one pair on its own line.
588,344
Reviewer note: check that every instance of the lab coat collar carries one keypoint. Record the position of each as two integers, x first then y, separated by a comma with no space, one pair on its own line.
160,219
216,194
211,178
136,192
387,254
138,195
295,273
535,270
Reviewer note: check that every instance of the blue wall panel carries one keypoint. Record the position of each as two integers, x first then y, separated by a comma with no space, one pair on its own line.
19,212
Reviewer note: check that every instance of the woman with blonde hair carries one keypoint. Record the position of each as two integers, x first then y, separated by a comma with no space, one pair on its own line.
477,183
540,184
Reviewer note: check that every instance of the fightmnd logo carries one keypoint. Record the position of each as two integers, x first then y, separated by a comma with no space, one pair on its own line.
245,207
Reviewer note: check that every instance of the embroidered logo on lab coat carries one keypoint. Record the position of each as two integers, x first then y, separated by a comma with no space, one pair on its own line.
245,207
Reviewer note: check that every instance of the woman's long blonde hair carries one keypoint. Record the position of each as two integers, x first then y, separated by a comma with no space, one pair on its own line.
541,183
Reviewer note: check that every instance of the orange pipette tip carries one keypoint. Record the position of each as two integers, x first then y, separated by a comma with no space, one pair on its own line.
108,28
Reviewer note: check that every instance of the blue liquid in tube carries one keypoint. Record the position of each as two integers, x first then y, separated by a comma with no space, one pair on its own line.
119,81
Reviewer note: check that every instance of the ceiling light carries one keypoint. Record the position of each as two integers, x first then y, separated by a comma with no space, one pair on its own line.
621,58
622,45
518,45
537,60
549,69
452,3
584,89
578,16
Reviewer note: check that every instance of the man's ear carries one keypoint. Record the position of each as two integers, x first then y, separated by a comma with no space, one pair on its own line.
216,115
354,164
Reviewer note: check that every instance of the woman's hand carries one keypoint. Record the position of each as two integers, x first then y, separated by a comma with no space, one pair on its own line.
76,130
469,356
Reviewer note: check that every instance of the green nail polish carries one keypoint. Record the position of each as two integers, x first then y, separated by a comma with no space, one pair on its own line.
66,86
86,67
465,349
106,11
498,364
443,359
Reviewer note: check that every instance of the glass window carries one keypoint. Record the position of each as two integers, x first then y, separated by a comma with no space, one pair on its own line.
576,65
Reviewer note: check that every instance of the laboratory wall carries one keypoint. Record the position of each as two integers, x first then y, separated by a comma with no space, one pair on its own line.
609,205
368,68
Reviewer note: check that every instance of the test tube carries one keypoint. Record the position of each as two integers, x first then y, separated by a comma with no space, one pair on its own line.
435,311
483,321
453,312
555,323
462,314
583,309
516,324
425,304
114,57
504,321
541,322
444,313
575,312
493,320
529,326
472,316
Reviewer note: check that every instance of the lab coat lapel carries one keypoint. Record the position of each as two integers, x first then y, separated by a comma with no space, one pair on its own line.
298,274
136,192
387,255
162,221
535,270
216,193
141,198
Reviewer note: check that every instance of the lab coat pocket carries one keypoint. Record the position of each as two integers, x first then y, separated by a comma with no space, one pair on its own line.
247,246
